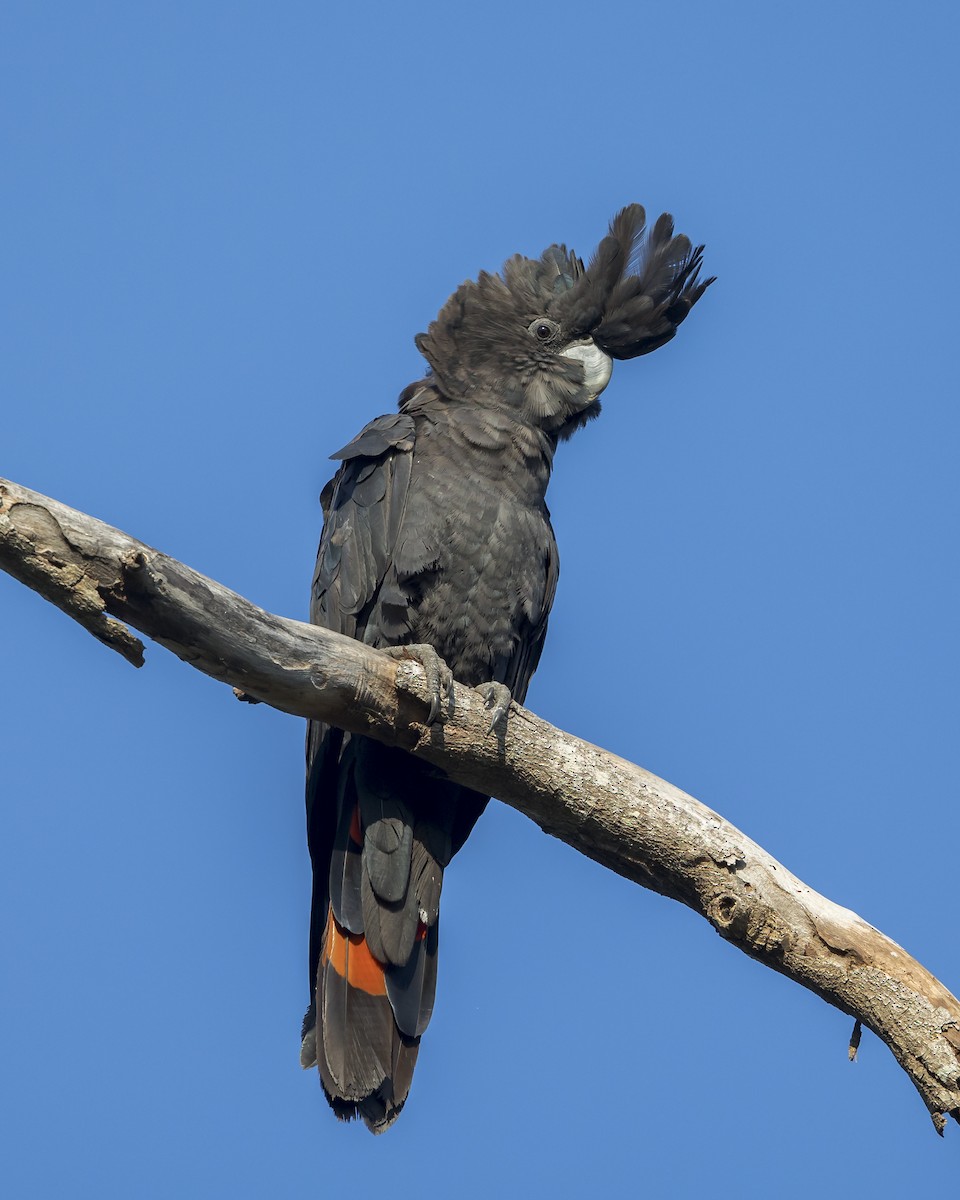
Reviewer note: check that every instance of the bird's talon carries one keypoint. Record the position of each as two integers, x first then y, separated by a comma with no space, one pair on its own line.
439,676
496,700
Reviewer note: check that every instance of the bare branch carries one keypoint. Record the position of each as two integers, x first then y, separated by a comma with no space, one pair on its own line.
620,815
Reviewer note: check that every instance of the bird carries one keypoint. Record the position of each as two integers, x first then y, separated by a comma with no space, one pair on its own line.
437,546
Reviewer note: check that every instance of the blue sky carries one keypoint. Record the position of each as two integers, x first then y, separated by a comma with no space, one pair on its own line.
223,224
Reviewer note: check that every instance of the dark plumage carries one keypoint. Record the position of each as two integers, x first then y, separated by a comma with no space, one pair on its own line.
436,534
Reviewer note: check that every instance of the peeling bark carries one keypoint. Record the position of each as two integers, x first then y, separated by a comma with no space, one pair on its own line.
616,813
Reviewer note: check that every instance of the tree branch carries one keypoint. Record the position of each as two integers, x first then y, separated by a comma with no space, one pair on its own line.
616,813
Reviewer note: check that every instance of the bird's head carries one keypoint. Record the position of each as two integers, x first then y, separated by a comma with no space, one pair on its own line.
540,337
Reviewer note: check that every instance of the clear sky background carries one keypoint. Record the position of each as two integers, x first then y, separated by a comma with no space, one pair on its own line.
222,225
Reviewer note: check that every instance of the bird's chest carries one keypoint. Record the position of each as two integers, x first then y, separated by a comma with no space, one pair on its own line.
491,547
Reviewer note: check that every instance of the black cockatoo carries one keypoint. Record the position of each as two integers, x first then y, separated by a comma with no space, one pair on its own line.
437,542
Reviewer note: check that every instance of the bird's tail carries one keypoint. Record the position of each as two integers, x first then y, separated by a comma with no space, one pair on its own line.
376,928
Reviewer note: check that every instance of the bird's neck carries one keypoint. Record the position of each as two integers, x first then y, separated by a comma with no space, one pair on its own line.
491,441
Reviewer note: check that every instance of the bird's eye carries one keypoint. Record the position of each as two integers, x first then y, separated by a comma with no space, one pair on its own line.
542,329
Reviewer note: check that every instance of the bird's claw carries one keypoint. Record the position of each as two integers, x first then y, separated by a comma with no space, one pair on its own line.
496,700
439,676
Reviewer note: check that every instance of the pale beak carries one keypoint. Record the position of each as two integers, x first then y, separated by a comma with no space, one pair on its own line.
597,366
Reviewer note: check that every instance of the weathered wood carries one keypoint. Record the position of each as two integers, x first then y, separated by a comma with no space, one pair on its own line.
619,814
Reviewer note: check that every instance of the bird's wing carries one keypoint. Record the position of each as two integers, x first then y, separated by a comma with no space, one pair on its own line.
363,508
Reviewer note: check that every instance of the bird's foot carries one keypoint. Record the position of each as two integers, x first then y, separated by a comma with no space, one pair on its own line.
496,700
439,675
